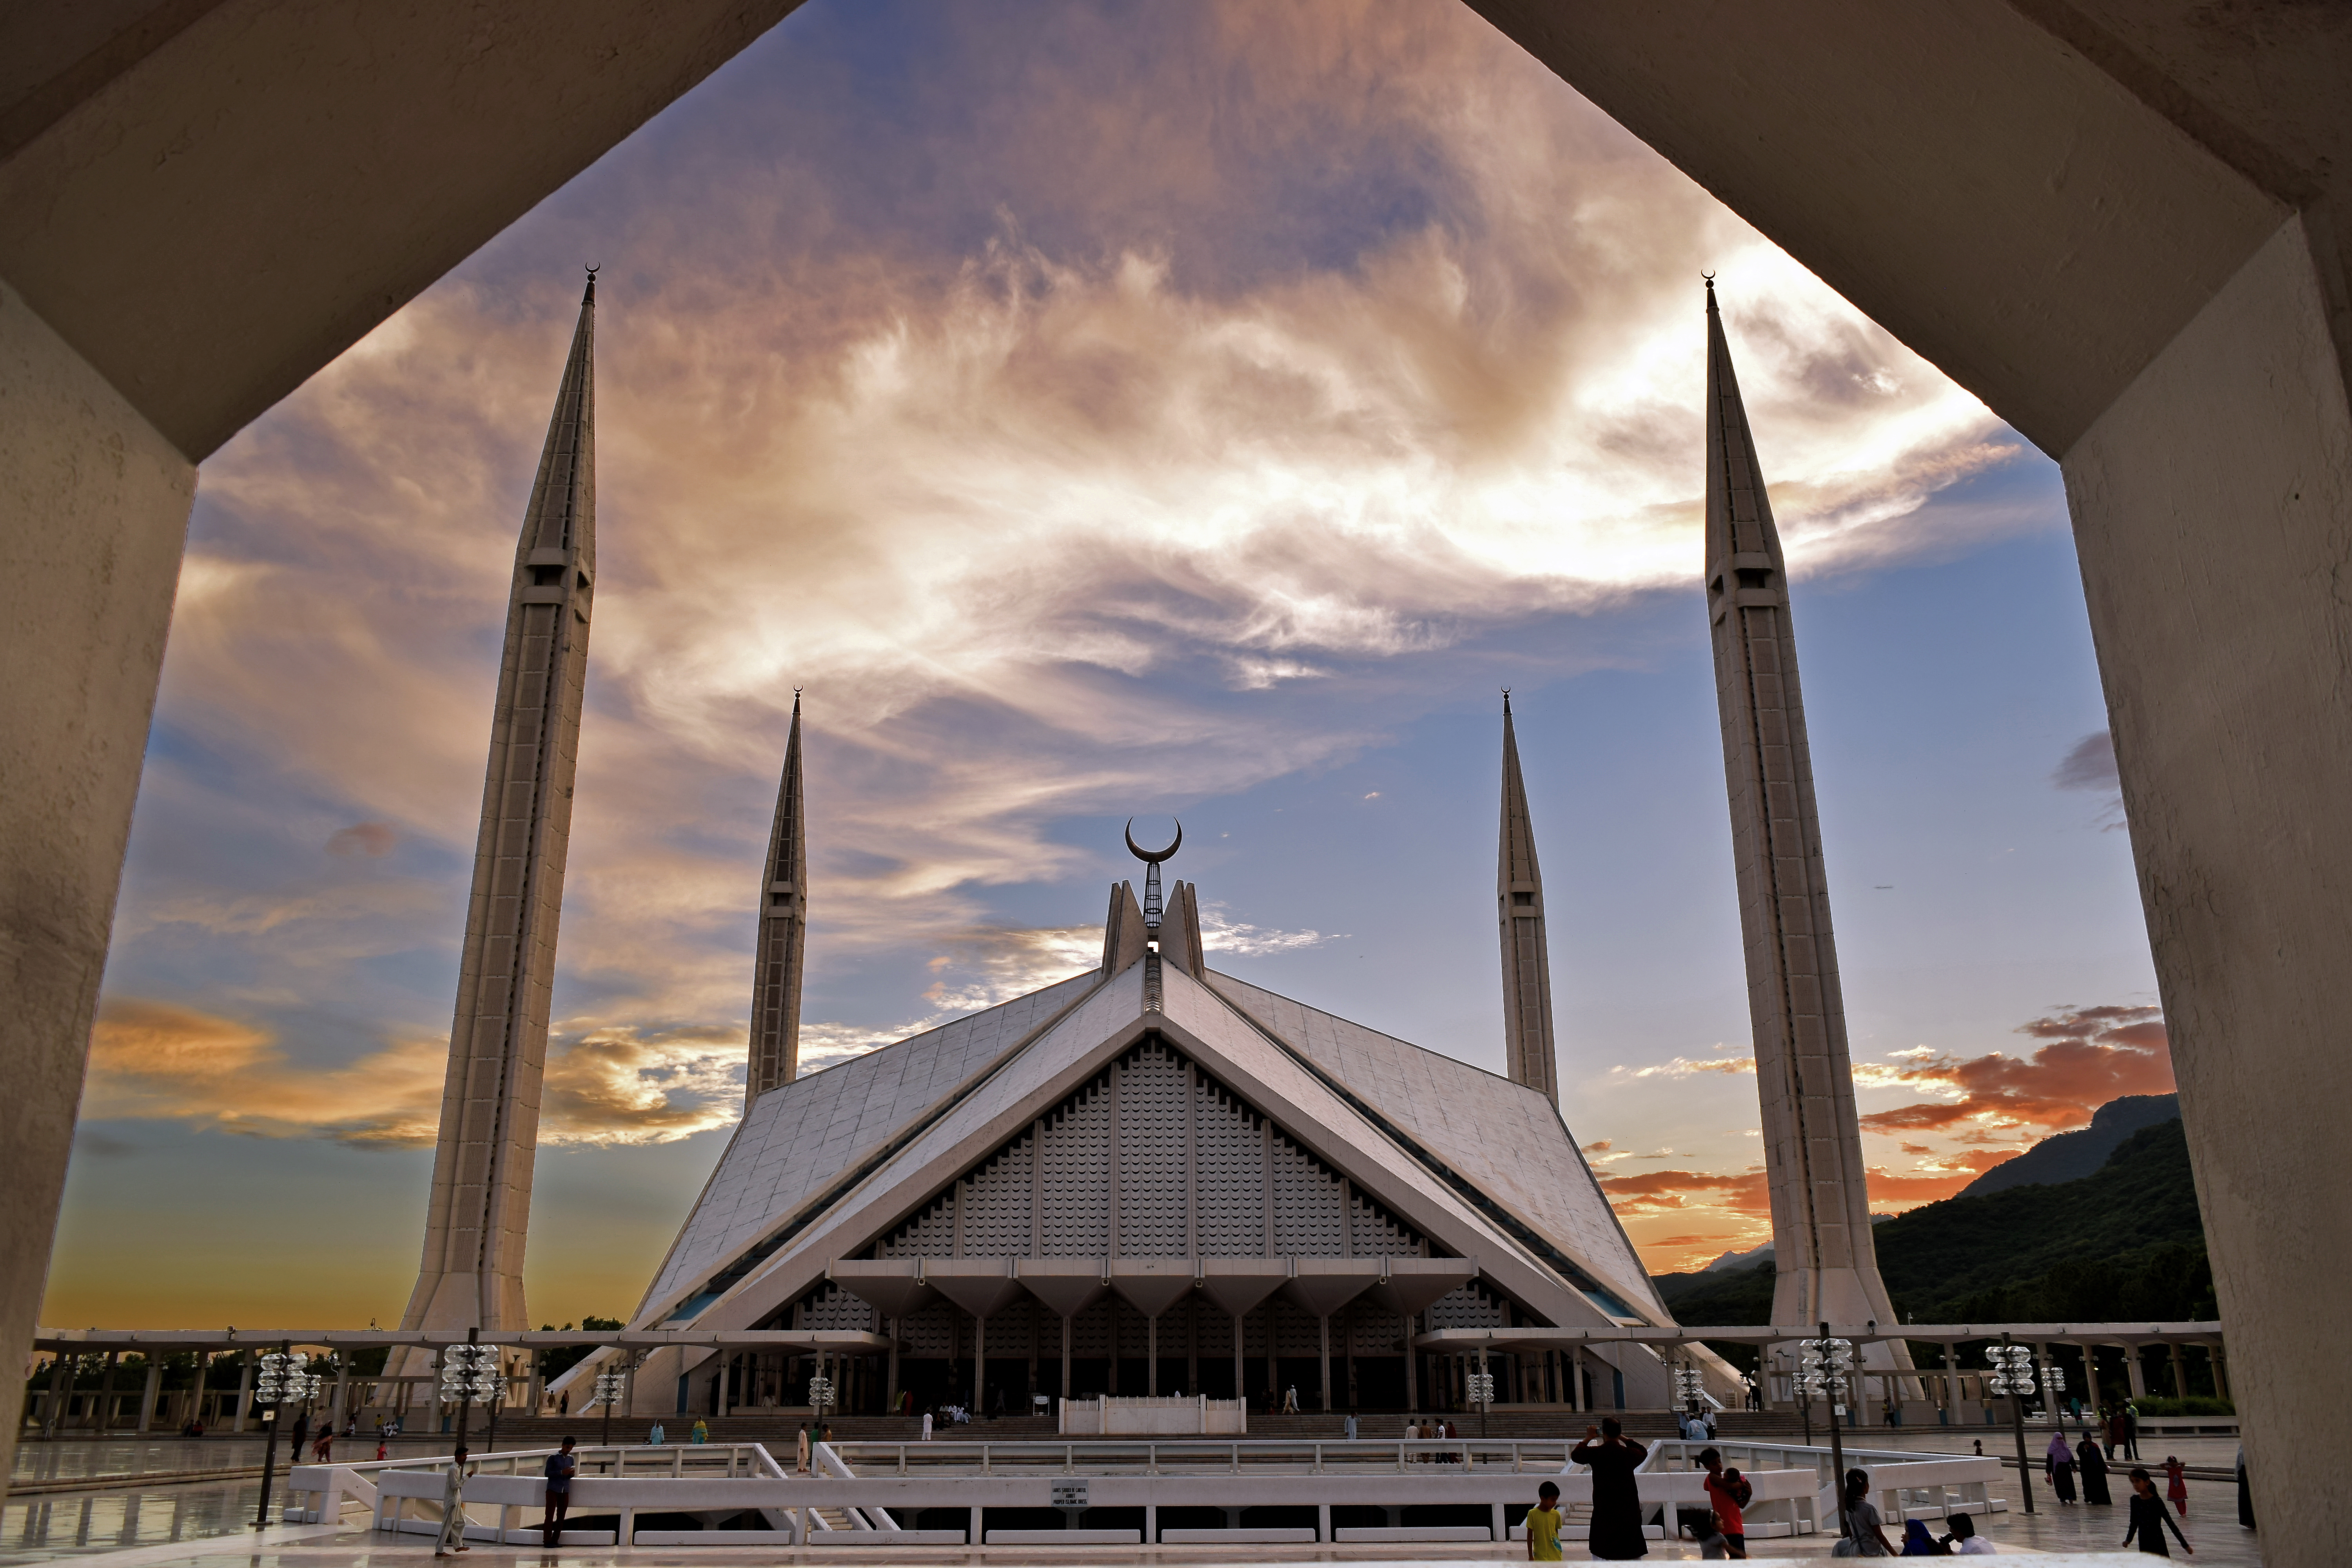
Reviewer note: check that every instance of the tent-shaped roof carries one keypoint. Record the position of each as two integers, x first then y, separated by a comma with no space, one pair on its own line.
824,1167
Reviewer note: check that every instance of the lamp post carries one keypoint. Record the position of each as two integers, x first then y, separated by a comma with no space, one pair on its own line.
470,1371
2012,1374
609,1383
1690,1387
1825,1364
1482,1394
1801,1388
283,1380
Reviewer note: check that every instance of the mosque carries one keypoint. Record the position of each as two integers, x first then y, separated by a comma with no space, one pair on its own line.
1151,1177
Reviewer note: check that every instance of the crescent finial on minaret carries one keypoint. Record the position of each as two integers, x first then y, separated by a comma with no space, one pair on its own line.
1153,857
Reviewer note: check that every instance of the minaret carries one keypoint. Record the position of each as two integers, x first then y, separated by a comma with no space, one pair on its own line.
480,1206
1827,1266
784,934
1527,1054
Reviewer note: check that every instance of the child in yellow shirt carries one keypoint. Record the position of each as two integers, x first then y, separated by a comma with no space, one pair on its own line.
1543,1525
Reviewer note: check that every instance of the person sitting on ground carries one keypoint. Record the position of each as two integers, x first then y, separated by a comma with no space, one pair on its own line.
1918,1543
1964,1541
1865,1535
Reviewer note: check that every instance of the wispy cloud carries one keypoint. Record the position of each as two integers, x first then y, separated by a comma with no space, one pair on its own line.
2091,1055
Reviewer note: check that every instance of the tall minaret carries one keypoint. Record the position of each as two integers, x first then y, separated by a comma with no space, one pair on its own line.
784,935
480,1206
1827,1266
1528,1055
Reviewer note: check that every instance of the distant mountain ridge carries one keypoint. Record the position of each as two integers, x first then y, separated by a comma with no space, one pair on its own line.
2070,1156
2126,1241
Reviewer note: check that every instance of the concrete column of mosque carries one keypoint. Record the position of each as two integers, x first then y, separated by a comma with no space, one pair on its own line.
1952,1379
60,1379
2179,1372
148,1394
2136,1374
101,1412
93,511
2211,503
2218,1356
244,1391
2090,1372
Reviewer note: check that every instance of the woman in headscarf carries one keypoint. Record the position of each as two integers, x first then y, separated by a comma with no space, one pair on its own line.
1918,1543
2059,1462
1616,1529
2094,1473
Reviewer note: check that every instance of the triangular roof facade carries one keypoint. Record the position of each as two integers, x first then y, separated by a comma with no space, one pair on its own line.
837,1163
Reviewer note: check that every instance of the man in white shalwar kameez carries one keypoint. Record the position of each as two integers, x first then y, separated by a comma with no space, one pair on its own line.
453,1509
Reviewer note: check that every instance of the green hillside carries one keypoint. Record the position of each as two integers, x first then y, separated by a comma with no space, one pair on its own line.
2125,1242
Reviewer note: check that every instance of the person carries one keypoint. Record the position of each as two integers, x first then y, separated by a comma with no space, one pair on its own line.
1964,1541
927,1425
381,1444
1543,1525
564,1403
562,1466
302,1434
1979,1447
322,1449
2118,1435
1728,1492
1918,1543
1616,1531
802,1459
2131,1431
2094,1473
656,1436
996,1411
2058,1462
2151,1518
1866,1534
1290,1400
1704,1530
2176,1484
1351,1425
453,1509
699,1432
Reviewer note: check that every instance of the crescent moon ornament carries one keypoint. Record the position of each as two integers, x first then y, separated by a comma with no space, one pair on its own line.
1152,856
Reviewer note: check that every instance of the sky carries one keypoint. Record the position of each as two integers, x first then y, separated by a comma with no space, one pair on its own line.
1097,410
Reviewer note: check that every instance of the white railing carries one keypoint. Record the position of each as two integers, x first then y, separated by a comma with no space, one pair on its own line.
853,1487
1907,1484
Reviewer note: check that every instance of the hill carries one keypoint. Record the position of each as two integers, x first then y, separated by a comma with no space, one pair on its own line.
2070,1156
2127,1241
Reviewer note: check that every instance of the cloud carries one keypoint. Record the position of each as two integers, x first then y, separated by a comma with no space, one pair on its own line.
1222,934
159,1061
1653,1192
2091,1056
373,839
1683,1067
2090,765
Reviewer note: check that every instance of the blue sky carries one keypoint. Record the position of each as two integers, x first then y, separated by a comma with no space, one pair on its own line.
1099,409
